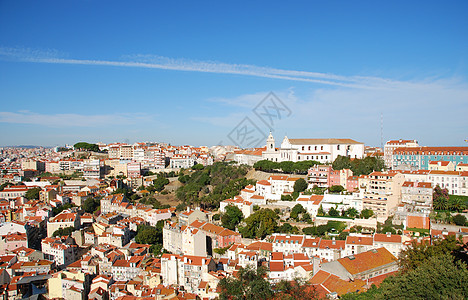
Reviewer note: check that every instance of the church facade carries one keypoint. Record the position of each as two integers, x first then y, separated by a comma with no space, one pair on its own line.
321,150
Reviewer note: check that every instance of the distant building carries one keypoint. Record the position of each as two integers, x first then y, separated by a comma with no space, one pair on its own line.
322,150
420,157
390,146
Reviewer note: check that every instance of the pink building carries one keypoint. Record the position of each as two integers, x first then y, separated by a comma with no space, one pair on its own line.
13,241
319,175
352,183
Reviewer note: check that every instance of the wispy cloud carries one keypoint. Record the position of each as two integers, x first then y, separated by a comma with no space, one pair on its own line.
434,115
72,120
164,63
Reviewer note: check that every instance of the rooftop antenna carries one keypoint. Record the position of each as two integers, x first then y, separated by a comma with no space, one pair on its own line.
381,131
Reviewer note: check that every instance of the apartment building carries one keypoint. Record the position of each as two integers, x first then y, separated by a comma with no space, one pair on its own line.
390,146
418,195
420,157
382,192
186,270
184,240
63,220
59,250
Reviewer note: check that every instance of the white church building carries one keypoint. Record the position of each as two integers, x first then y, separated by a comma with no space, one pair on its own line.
321,150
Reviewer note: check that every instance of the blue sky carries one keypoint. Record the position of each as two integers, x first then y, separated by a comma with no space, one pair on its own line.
186,72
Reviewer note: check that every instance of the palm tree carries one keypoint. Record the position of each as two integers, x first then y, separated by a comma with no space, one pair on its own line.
439,203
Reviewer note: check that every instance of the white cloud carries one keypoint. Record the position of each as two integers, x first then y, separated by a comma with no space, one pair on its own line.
433,112
165,63
72,120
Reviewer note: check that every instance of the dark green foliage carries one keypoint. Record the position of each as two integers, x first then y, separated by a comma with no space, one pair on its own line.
249,284
231,217
86,146
459,220
4,185
320,211
90,205
306,218
152,236
300,185
160,182
63,231
310,230
289,167
416,254
351,212
296,211
213,184
221,251
440,198
332,212
315,191
260,224
216,217
443,201
335,226
198,167
288,228
286,198
363,166
437,271
366,213
59,209
181,207
32,194
153,202
336,189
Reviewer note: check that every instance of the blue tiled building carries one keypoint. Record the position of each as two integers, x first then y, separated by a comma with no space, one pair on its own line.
419,157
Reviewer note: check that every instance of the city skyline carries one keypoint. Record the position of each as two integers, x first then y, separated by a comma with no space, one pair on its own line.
111,72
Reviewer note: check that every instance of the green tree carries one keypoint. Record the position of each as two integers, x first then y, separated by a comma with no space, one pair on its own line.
336,189
310,230
296,211
417,253
198,167
151,235
341,162
260,224
459,220
366,213
440,198
90,205
249,284
32,194
232,217
63,231
438,277
457,203
86,146
320,211
332,212
288,228
160,182
300,185
352,212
